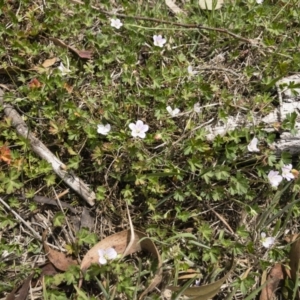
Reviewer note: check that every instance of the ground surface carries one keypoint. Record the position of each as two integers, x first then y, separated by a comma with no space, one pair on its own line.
201,202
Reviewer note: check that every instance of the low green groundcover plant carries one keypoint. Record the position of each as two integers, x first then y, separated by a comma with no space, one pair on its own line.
123,92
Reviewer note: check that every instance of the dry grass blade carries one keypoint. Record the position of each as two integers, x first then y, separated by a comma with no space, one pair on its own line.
18,217
205,292
132,235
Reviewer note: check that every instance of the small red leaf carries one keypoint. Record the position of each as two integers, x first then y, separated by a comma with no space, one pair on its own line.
34,84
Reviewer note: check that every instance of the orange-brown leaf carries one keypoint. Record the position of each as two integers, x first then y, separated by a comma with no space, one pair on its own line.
5,154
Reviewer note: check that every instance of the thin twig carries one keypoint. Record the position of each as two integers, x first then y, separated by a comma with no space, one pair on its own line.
66,219
18,217
195,26
221,219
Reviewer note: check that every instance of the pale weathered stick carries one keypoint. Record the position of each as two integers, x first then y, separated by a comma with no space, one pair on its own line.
288,103
42,151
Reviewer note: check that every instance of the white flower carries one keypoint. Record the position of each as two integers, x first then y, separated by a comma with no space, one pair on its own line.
159,40
267,241
139,129
116,23
197,107
286,172
173,112
274,178
63,69
190,71
106,254
252,146
103,129
259,1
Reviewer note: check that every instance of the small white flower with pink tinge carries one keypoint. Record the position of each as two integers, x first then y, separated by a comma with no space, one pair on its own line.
159,41
267,241
106,254
252,146
116,23
274,178
103,129
139,129
64,70
173,112
287,172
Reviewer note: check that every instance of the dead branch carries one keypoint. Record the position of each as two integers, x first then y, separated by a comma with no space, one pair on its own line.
288,103
42,151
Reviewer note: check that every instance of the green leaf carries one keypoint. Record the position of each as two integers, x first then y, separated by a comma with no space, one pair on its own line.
59,219
85,237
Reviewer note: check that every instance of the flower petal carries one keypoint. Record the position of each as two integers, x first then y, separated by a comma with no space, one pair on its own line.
111,253
139,123
176,111
145,128
102,260
142,135
132,126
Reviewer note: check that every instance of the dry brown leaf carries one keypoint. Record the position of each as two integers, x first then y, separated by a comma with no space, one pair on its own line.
295,256
69,88
87,220
119,241
21,290
45,200
275,277
86,54
48,269
58,259
49,62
